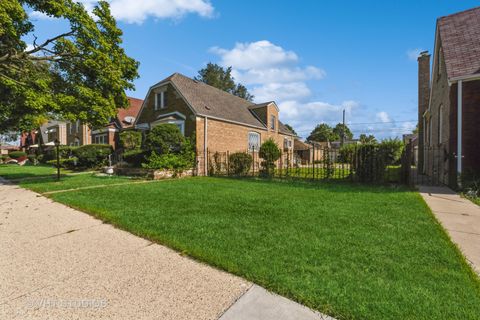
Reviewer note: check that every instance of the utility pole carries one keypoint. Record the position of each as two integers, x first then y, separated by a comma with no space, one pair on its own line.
343,128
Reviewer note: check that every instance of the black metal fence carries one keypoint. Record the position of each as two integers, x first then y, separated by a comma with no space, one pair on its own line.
359,163
430,166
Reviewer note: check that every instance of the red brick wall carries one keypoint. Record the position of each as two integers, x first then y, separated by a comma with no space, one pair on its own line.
471,125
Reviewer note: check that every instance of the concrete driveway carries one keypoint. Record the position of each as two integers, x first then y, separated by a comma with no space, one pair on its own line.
59,263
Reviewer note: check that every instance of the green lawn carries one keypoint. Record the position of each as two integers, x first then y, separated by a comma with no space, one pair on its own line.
354,252
43,178
13,171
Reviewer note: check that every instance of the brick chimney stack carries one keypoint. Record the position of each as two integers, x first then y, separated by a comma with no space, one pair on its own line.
423,99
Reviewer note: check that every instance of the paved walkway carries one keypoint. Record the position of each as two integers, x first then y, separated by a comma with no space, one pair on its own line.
59,263
460,217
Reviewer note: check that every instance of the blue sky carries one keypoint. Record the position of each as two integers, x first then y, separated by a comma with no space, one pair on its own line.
314,58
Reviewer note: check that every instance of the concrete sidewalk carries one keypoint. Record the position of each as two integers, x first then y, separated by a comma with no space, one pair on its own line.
59,263
460,217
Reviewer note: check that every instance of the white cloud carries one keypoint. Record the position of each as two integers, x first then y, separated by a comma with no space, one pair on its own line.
277,74
305,116
254,55
280,91
383,117
271,72
29,47
137,11
413,54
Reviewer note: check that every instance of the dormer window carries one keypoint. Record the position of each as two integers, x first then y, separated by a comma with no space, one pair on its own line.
273,121
160,100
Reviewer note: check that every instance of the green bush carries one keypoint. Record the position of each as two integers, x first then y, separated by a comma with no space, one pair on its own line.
93,155
346,153
369,163
135,157
164,138
269,152
239,163
168,161
51,153
392,150
131,140
67,163
17,154
32,158
3,157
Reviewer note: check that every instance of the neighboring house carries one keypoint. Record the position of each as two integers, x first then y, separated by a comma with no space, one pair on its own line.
308,152
124,120
217,120
449,102
79,134
53,130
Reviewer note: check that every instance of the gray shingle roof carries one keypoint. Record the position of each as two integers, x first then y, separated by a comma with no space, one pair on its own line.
460,37
210,101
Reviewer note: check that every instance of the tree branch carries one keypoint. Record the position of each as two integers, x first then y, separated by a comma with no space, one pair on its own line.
41,47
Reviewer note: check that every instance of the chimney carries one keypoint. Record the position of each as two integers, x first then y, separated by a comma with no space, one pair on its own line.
423,99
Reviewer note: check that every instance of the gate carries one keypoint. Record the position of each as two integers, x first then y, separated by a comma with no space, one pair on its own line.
426,167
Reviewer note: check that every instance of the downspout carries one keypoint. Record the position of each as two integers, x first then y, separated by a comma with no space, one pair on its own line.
459,131
205,148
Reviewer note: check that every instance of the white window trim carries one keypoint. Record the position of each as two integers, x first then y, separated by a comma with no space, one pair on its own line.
160,104
180,123
104,137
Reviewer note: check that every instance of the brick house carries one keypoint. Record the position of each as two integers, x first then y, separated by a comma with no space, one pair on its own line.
79,134
217,120
124,120
449,101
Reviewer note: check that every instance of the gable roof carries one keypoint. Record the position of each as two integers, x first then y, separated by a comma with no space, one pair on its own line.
209,101
132,111
460,37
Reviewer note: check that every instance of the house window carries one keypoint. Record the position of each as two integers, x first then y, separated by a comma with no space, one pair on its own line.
272,122
77,126
440,124
101,139
253,141
160,100
180,124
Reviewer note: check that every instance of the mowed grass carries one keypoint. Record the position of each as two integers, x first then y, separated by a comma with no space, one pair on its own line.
14,171
44,179
351,251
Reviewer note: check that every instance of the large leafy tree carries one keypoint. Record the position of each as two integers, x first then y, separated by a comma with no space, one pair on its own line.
221,78
342,130
81,73
364,139
322,132
289,127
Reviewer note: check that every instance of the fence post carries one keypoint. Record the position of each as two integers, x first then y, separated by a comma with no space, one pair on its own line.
228,165
253,161
313,161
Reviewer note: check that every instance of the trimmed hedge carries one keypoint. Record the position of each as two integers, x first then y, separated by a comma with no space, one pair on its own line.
17,154
135,158
93,155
